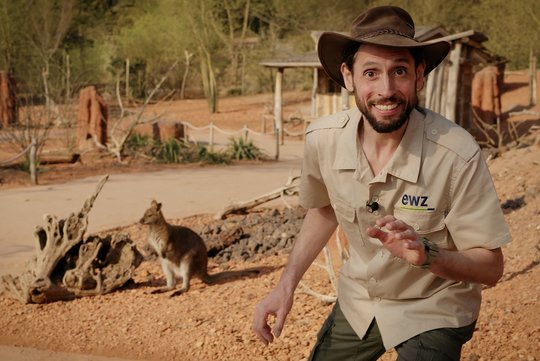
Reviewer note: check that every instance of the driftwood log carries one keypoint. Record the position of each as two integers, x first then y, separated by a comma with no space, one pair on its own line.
290,189
67,266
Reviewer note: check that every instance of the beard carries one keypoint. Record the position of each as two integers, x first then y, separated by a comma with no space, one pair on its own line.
389,125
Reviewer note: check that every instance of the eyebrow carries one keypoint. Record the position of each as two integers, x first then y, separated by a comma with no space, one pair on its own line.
397,60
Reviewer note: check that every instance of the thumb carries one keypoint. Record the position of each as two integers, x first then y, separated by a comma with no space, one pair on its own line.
280,321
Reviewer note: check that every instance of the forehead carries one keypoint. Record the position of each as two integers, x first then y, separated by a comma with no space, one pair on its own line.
369,54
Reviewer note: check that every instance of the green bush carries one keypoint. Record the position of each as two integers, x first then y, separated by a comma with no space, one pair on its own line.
240,149
181,151
139,143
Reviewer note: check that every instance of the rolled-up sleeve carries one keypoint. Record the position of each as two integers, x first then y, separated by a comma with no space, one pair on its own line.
475,218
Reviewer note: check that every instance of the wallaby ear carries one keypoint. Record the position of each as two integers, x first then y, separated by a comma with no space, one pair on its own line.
155,204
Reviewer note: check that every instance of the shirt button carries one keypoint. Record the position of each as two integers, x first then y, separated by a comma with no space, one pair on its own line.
416,227
434,131
378,299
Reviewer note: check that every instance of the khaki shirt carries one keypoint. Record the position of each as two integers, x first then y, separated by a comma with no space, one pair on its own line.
437,182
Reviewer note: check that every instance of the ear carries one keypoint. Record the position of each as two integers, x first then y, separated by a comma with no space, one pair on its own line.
347,77
420,77
156,205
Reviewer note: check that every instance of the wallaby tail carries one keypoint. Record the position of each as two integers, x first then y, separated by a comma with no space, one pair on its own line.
221,276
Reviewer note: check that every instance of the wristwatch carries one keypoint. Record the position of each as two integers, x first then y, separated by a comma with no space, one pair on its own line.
432,252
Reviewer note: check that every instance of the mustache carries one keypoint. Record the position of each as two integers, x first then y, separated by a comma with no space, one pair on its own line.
383,101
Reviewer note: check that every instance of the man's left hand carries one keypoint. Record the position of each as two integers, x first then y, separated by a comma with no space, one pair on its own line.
400,239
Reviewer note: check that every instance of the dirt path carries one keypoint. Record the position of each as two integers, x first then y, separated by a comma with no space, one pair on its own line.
123,199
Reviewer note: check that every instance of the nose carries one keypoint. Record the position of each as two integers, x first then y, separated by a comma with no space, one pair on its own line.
386,86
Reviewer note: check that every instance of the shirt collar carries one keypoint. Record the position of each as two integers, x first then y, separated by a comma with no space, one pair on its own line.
404,164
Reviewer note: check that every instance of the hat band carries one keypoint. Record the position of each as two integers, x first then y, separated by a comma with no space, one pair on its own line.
383,32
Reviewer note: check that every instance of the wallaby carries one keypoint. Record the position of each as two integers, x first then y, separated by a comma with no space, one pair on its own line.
181,252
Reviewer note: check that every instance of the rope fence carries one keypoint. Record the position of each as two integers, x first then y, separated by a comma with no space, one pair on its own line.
32,156
17,156
245,132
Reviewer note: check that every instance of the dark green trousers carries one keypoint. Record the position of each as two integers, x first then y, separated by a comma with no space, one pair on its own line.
337,341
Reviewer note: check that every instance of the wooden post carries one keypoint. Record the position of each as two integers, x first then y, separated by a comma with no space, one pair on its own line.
453,80
278,109
246,132
32,160
211,141
314,92
277,144
532,78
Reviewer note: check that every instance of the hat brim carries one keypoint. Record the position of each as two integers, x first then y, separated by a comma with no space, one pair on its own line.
332,47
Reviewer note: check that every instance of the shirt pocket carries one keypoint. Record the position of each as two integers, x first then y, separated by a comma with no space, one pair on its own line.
427,224
347,218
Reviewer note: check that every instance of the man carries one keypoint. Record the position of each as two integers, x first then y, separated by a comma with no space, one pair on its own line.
413,195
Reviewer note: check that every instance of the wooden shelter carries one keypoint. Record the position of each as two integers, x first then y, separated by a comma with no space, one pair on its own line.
447,90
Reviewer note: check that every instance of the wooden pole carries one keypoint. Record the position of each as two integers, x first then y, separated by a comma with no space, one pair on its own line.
314,92
32,159
453,80
211,141
278,105
532,78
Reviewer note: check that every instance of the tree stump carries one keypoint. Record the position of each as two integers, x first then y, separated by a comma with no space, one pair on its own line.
67,266
8,100
93,117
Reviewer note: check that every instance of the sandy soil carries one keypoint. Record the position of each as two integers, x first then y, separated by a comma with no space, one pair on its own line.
213,322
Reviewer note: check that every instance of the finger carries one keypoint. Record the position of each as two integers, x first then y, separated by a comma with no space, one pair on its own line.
383,221
406,234
397,225
265,335
261,328
375,232
280,321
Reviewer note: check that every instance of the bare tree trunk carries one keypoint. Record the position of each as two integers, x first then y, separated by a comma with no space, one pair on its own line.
209,80
187,56
126,93
33,161
8,100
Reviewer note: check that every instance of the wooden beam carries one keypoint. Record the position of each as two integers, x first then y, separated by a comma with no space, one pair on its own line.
453,79
278,106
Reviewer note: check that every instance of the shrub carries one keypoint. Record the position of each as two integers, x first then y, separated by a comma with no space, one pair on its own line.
240,149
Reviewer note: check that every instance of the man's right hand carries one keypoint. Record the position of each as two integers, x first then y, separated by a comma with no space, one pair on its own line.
277,304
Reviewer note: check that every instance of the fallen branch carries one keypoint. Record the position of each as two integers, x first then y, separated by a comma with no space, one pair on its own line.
289,189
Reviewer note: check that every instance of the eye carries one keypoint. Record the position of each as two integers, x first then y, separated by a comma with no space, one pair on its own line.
370,74
401,71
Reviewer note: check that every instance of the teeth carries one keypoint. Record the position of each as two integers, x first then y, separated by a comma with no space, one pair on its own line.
386,107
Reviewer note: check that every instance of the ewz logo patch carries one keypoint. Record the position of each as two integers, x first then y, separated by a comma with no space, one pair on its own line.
416,203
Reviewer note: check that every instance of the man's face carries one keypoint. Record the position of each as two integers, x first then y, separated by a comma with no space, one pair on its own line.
385,82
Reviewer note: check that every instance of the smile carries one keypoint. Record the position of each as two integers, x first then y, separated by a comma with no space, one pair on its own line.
386,107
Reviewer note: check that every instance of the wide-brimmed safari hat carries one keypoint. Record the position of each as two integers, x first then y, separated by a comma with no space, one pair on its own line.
383,25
